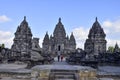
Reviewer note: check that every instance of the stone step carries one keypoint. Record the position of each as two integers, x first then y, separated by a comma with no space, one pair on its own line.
64,76
64,79
64,71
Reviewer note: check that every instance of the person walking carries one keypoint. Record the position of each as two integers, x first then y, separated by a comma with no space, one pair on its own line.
58,56
61,58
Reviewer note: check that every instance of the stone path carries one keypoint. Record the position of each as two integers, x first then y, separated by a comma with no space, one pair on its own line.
60,67
60,62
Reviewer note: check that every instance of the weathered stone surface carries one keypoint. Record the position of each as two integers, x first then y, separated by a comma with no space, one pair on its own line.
36,50
23,40
96,42
5,55
64,72
76,57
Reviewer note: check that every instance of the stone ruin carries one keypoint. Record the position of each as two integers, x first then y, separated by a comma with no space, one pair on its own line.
36,50
96,42
22,43
59,42
94,52
25,48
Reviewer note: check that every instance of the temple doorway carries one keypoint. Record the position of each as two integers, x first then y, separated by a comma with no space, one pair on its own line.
59,48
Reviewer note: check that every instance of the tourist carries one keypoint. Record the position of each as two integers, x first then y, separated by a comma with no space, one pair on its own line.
58,56
61,57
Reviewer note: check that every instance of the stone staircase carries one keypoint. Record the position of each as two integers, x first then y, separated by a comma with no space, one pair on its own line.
63,75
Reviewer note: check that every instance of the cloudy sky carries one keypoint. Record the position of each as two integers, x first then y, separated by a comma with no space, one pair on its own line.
77,16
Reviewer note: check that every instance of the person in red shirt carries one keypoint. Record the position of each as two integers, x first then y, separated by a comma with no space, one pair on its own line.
61,57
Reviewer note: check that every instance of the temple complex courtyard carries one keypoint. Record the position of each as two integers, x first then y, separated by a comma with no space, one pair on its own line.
60,40
26,60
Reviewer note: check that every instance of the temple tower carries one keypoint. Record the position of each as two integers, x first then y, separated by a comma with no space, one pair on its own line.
116,48
96,42
59,42
22,43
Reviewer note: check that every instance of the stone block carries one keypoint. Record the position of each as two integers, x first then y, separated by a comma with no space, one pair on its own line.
44,73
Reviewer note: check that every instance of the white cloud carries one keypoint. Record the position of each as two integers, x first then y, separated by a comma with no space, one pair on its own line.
112,26
112,29
4,18
107,24
80,34
40,42
6,37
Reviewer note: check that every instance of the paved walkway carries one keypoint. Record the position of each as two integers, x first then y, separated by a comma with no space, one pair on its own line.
12,66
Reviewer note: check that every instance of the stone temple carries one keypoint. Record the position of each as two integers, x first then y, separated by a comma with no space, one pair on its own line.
25,46
23,40
96,42
116,49
27,53
59,42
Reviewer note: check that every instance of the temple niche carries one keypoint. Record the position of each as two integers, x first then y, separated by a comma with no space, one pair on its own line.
59,42
22,43
96,42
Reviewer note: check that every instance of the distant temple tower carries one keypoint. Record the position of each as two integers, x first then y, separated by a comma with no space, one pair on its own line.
23,40
96,42
116,48
59,42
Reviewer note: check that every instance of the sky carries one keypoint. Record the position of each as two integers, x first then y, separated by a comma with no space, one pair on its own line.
77,16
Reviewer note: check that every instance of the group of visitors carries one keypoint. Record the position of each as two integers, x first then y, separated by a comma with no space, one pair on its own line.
60,57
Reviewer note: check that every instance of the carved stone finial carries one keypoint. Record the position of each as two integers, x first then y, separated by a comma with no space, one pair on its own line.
46,32
59,19
71,33
25,18
96,18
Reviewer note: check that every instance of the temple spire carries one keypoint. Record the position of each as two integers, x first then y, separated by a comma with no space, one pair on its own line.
72,39
71,33
24,22
59,19
46,32
59,30
46,39
24,18
96,19
116,48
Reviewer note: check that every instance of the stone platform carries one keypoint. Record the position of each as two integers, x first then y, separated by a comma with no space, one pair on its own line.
58,71
14,72
63,72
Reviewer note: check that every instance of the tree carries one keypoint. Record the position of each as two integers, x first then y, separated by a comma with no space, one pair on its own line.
2,45
110,49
